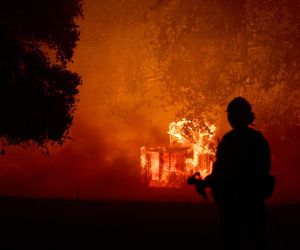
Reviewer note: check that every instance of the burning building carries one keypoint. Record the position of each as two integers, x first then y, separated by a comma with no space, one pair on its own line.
192,149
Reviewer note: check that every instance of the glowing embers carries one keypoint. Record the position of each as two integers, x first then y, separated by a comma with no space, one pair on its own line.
192,149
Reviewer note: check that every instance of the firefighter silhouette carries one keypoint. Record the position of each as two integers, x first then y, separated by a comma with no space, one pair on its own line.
240,180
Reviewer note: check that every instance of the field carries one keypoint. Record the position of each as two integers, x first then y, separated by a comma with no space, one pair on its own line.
86,224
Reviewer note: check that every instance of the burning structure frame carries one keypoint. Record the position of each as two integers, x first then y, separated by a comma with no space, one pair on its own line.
192,149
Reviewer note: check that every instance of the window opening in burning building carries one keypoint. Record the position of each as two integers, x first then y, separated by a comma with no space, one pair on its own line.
192,149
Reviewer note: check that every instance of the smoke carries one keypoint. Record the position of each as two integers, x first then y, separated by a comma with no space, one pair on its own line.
126,101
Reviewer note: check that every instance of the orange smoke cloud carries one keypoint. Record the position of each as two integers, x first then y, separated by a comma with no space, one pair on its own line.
122,107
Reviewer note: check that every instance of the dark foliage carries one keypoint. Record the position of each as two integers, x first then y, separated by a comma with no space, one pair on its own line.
37,92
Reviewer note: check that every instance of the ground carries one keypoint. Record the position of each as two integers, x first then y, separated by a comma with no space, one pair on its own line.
86,224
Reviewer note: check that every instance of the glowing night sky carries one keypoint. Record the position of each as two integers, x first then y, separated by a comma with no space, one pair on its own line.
146,63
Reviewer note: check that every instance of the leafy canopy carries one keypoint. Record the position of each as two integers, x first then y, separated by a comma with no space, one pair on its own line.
38,93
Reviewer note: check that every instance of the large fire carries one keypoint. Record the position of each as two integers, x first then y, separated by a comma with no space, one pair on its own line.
192,149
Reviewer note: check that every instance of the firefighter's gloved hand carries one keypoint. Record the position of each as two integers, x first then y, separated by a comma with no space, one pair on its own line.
192,180
200,185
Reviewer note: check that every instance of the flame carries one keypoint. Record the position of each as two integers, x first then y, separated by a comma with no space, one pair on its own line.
200,137
192,149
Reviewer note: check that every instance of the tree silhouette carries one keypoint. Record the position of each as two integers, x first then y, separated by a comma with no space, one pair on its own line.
37,91
211,51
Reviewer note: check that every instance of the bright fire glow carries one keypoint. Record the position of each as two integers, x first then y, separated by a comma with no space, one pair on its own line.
192,149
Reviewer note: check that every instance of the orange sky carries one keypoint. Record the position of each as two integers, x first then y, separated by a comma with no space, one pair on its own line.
113,118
